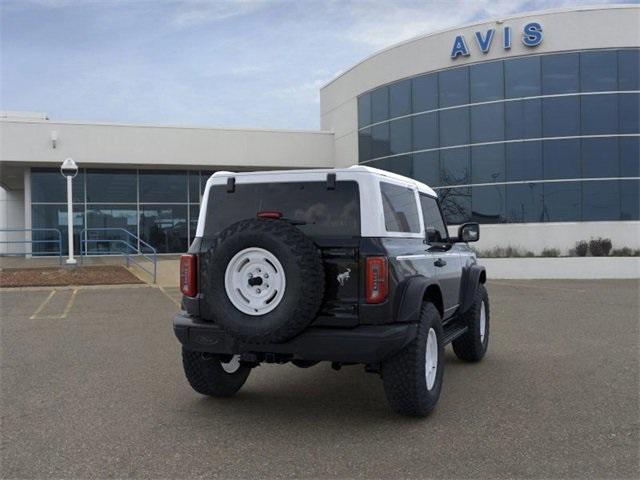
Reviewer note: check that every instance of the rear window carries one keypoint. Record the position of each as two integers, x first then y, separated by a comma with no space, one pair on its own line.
319,211
400,210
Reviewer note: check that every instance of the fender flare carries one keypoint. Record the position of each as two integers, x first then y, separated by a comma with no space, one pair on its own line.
410,300
472,276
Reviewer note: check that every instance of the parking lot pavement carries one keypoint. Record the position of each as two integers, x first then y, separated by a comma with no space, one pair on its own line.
92,386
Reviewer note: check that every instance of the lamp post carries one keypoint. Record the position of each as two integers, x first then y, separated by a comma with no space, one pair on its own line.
69,169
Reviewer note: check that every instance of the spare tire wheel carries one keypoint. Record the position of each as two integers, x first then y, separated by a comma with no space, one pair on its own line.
262,281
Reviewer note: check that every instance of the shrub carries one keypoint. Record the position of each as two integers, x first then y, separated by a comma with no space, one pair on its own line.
582,248
505,252
625,252
600,247
550,252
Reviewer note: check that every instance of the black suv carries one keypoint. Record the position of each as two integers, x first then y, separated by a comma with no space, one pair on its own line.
350,265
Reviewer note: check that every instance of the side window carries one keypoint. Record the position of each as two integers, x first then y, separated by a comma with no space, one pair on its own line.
400,210
433,223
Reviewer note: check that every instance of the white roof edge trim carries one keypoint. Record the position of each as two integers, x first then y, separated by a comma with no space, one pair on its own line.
586,8
423,187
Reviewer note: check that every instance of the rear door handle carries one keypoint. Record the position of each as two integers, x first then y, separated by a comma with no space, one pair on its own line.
439,263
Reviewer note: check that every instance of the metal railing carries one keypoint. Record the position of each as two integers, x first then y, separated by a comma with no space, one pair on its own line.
57,241
130,246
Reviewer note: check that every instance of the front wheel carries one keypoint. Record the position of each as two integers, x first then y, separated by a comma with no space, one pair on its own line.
472,346
210,375
413,377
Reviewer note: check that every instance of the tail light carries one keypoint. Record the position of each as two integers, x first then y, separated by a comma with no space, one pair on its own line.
376,280
269,214
188,275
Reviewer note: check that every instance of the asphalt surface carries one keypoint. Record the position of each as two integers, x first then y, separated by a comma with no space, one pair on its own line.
92,386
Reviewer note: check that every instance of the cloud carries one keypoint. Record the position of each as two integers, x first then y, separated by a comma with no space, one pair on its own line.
195,12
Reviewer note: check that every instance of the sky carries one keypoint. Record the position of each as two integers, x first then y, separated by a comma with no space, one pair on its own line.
217,63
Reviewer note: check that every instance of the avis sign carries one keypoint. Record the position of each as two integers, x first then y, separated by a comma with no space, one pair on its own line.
531,37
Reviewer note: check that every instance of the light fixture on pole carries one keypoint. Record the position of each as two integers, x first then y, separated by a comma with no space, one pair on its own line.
69,169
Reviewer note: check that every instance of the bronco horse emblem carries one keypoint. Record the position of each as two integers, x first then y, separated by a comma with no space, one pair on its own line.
343,277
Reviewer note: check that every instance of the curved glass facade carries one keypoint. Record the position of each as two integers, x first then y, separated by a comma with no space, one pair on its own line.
544,138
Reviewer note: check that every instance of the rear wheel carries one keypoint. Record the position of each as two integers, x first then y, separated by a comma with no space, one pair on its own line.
210,375
472,346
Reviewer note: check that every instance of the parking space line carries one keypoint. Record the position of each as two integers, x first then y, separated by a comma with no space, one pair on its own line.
57,316
169,296
69,304
42,305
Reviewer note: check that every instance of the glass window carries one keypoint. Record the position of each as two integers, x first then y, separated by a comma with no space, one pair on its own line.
487,123
454,127
629,199
48,185
364,110
560,73
599,114
456,204
113,217
629,112
425,131
426,168
380,140
400,135
600,157
55,216
400,98
204,176
425,93
599,71
164,227
561,116
365,144
487,82
522,77
454,87
600,200
401,165
524,203
194,187
454,167
487,164
562,201
435,229
629,69
523,119
380,104
524,161
400,210
561,159
163,186
487,204
112,186
630,157
194,211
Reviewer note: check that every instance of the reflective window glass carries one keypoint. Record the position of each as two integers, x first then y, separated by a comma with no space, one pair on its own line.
523,161
380,140
364,110
400,98
454,127
522,77
380,104
163,186
560,73
112,186
523,119
630,156
561,159
629,199
562,202
629,69
599,71
400,135
561,116
487,164
599,157
487,123
487,204
435,229
400,210
629,112
600,200
524,203
194,186
401,164
55,216
194,211
454,87
599,114
48,185
425,92
114,218
487,82
204,176
426,168
365,147
455,204
164,227
454,167
425,131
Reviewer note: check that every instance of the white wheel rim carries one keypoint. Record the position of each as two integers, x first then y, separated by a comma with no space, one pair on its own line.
255,281
483,322
431,359
232,365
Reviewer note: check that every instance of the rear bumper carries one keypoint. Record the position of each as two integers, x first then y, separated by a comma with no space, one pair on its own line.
362,344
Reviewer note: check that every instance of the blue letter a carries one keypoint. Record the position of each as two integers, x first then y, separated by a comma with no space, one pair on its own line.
485,43
459,47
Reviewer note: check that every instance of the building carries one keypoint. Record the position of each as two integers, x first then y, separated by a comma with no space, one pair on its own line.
528,125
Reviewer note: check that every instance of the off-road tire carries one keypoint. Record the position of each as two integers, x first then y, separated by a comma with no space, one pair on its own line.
469,347
206,375
404,375
301,262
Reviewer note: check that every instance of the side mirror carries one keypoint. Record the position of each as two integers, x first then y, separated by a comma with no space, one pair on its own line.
469,232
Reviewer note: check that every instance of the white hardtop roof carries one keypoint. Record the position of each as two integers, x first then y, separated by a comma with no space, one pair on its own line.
355,168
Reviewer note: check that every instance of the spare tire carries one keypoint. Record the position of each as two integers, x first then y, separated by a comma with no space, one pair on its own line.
262,281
